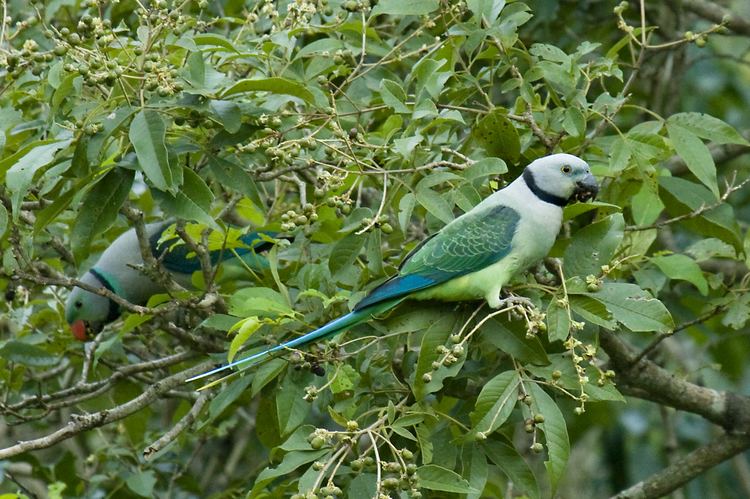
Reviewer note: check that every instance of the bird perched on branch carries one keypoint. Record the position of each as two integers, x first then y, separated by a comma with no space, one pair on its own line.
118,270
476,254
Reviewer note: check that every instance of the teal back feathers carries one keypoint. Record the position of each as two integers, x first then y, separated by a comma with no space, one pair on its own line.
474,241
181,259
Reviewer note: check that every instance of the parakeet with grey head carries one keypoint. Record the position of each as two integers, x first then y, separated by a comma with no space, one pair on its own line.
478,253
117,271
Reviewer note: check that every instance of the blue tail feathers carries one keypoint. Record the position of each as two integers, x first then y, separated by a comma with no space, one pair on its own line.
335,326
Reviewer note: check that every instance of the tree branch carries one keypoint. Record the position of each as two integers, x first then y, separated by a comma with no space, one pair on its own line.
718,14
187,420
685,468
644,379
80,423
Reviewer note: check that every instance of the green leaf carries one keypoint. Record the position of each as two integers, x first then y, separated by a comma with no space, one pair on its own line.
345,252
245,328
737,313
646,205
696,155
265,373
262,302
495,403
142,483
434,203
682,197
230,173
475,469
329,45
497,135
682,267
26,354
513,465
406,146
273,85
558,322
148,135
363,485
711,247
228,113
594,246
191,202
213,40
437,334
486,11
393,96
574,122
110,124
228,395
511,339
707,127
591,310
99,208
485,168
405,209
634,308
573,210
298,439
343,379
291,461
291,407
430,80
555,433
434,477
400,8
20,168
3,220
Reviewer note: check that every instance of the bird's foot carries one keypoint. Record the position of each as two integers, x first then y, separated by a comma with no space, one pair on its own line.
516,301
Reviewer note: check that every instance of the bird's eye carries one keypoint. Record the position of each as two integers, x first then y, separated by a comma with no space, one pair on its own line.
78,304
566,169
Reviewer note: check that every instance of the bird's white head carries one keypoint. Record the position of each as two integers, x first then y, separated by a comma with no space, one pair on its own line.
560,179
87,312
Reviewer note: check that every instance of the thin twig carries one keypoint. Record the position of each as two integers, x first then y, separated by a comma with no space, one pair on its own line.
182,425
81,423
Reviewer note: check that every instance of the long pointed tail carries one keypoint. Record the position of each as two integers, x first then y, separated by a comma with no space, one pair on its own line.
335,326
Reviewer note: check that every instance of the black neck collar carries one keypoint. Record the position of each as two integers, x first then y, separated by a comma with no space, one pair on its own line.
114,309
545,196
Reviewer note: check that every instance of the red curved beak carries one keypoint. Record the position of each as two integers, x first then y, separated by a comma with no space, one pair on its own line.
78,328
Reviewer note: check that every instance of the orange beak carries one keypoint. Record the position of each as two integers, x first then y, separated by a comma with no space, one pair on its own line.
78,328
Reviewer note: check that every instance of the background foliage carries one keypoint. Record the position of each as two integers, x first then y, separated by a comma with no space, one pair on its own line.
358,129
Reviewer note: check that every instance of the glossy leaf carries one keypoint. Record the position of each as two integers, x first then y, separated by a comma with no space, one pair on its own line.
148,135
495,403
398,8
634,308
274,85
594,246
498,136
555,433
100,207
434,477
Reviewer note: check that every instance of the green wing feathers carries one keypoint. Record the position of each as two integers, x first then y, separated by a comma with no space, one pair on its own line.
470,243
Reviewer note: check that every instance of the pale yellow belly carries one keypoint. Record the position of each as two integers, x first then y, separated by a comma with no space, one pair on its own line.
474,286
